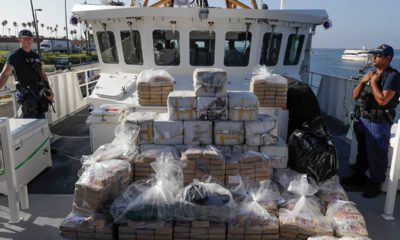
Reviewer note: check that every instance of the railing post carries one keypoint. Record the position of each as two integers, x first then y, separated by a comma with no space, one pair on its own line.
9,166
393,178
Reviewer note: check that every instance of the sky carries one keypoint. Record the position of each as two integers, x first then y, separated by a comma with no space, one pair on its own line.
356,23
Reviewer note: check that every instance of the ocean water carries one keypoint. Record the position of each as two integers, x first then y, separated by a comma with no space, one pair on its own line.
329,61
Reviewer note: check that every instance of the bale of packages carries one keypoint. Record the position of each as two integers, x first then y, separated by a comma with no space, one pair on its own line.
151,200
155,230
304,219
255,166
167,132
243,106
331,191
201,230
78,226
145,121
201,162
278,154
198,132
232,173
254,217
346,219
271,89
149,154
209,82
153,87
261,132
182,105
204,201
212,108
228,133
100,184
334,238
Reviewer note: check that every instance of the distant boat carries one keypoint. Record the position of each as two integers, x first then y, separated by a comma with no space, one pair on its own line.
355,54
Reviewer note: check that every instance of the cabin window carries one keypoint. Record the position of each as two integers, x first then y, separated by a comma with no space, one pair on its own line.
166,47
270,49
107,46
293,49
132,47
202,48
237,48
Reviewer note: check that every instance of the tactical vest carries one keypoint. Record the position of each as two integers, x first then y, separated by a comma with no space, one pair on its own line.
28,72
367,101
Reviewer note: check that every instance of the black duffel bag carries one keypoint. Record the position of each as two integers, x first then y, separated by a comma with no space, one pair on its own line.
311,150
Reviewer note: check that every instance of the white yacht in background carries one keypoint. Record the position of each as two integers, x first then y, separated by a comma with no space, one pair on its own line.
355,55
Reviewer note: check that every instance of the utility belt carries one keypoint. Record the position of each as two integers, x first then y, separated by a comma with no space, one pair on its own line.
33,100
379,116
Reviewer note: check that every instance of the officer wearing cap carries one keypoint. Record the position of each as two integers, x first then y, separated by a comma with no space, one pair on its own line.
377,95
34,93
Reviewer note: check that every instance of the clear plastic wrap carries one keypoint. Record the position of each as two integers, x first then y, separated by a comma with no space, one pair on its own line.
100,184
204,201
255,214
122,147
182,105
209,82
305,218
346,219
154,199
331,191
156,77
243,106
150,153
263,131
278,153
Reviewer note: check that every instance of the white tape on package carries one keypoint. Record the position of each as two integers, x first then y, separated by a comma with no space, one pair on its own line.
145,121
197,132
278,153
166,131
212,108
228,133
182,105
263,131
209,82
243,106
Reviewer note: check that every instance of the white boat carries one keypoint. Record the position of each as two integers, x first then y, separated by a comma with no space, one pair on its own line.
355,55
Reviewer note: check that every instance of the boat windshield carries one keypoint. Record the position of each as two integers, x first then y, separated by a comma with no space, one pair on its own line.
270,49
108,49
202,48
132,47
237,48
293,49
166,47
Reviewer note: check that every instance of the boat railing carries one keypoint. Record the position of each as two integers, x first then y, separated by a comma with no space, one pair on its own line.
11,93
334,94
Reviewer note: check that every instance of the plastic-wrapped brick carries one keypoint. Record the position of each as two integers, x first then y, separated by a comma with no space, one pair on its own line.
166,131
182,105
212,108
228,133
263,131
243,106
145,121
198,132
209,82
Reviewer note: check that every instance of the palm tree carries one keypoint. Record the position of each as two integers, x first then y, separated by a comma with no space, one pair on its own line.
42,26
51,31
75,32
29,25
55,30
48,28
9,32
4,24
15,24
23,25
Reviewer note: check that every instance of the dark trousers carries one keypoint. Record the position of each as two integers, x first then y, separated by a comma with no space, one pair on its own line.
373,146
29,110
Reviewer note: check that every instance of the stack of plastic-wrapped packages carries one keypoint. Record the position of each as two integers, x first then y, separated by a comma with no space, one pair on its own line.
303,216
153,87
271,89
104,176
255,216
146,208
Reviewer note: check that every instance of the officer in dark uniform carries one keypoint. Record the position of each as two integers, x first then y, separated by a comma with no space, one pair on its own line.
34,92
377,95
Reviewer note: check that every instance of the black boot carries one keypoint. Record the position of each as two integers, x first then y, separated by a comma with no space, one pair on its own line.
355,179
372,190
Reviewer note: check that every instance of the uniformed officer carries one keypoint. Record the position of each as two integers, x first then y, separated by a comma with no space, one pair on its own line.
34,92
377,94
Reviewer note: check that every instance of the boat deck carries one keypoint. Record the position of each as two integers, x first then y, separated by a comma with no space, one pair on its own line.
51,193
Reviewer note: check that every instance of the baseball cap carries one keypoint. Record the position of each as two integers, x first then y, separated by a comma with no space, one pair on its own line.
25,33
383,49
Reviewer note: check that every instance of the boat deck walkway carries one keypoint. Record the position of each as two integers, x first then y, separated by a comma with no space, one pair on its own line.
51,193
